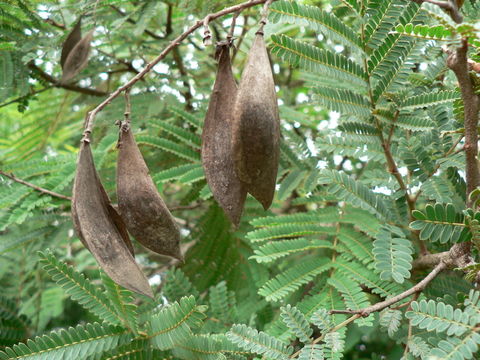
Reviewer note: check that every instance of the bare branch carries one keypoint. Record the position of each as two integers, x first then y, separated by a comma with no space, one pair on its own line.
35,187
90,117
56,83
384,304
457,61
449,6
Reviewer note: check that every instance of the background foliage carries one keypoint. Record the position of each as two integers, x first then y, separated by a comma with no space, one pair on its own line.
371,176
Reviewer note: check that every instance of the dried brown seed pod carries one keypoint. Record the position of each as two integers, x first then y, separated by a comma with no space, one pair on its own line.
217,157
256,128
72,39
77,58
145,214
101,229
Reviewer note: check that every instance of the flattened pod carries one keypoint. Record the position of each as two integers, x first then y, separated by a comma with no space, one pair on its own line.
256,129
102,233
217,157
77,58
145,214
72,39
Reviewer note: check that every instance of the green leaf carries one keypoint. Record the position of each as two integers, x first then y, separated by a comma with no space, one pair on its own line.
172,325
317,60
429,99
79,288
441,317
393,254
291,279
344,101
258,342
169,146
297,323
317,19
80,342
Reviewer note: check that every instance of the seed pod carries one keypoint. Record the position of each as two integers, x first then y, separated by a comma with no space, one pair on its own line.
77,58
145,214
72,39
256,129
100,228
217,157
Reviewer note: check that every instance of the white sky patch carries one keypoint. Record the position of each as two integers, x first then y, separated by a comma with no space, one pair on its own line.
276,68
280,102
423,66
159,68
403,171
301,98
48,67
320,37
339,48
76,108
287,126
382,190
43,12
27,32
347,165
333,122
322,164
296,124
311,146
85,82
155,280
103,76
137,63
337,159
323,124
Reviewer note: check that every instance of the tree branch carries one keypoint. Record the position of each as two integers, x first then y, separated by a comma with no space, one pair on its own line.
35,187
90,117
458,63
449,6
384,304
56,83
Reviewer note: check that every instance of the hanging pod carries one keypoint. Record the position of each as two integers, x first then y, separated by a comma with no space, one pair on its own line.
256,129
145,214
72,39
75,59
217,157
101,229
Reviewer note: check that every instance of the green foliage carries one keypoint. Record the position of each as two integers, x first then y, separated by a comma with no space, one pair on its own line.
173,324
79,288
439,223
371,179
296,322
393,254
79,342
258,342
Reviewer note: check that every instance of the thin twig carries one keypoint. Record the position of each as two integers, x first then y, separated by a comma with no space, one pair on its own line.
184,207
32,93
450,6
131,21
263,20
232,26
56,83
207,34
35,187
90,116
335,328
384,304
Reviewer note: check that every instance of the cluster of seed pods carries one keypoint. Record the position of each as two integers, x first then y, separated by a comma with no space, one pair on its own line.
240,153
